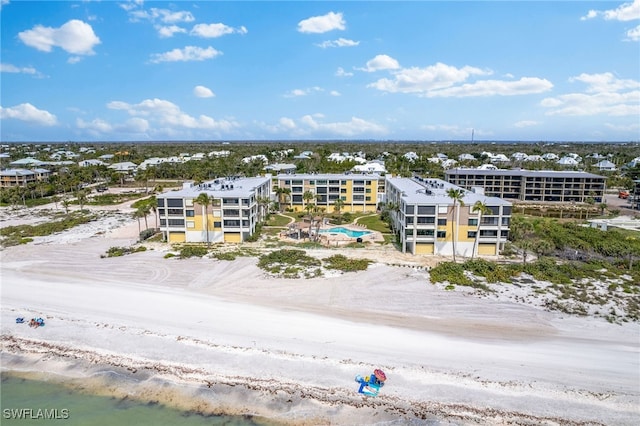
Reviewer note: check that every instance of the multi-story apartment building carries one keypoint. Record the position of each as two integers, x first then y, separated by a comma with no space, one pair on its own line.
532,185
358,193
22,177
635,195
427,223
235,207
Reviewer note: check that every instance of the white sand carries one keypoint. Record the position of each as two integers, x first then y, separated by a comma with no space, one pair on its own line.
290,349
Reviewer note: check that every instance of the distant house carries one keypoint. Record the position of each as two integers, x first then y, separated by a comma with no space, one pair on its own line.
106,157
550,156
567,161
411,156
466,157
126,167
27,162
519,156
92,162
258,157
281,168
22,177
370,167
534,158
605,165
500,158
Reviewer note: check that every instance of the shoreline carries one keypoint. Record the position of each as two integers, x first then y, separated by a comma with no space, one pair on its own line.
225,333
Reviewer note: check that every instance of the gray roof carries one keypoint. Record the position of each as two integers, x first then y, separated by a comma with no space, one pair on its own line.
16,172
522,172
434,191
219,188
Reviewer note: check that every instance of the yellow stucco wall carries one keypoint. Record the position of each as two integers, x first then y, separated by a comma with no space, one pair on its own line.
177,237
232,237
424,248
487,249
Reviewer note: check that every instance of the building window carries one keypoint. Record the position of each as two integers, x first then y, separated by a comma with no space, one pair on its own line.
409,220
191,224
175,212
473,222
296,198
296,189
408,209
191,213
174,202
296,182
442,234
231,223
426,219
488,233
343,190
217,224
176,222
442,222
471,234
160,202
231,212
425,232
358,198
426,210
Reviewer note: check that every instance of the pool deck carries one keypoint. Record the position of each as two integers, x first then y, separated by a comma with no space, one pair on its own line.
336,239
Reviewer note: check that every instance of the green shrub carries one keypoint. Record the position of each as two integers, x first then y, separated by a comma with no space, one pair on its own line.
450,272
193,251
225,256
169,255
287,257
121,251
345,264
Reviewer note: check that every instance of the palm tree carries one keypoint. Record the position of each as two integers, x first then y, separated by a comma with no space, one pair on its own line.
204,200
308,196
143,210
309,208
153,205
320,210
456,194
263,203
137,215
480,208
337,205
283,194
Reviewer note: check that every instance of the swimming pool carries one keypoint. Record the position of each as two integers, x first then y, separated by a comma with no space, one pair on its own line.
348,232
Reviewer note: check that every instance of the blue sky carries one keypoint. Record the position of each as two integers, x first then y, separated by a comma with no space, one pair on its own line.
204,70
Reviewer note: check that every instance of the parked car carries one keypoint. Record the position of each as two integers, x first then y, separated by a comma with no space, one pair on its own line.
623,194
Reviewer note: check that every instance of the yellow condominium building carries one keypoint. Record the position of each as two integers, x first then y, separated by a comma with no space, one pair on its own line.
424,218
232,209
356,192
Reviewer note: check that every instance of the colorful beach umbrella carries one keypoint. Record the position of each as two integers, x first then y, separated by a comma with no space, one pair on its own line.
380,375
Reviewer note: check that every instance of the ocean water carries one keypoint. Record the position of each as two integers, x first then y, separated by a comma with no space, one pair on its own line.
27,402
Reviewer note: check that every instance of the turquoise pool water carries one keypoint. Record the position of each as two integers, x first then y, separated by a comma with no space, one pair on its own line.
348,232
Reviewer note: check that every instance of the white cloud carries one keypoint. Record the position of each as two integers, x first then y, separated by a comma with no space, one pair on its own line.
442,80
525,123
167,114
98,127
303,92
340,72
166,31
341,42
215,30
634,34
189,53
424,80
356,126
131,4
75,37
13,69
163,15
287,123
624,12
524,86
604,95
335,93
74,59
322,24
29,113
203,92
381,62
314,127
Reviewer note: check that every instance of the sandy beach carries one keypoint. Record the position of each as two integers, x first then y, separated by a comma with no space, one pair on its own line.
223,336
